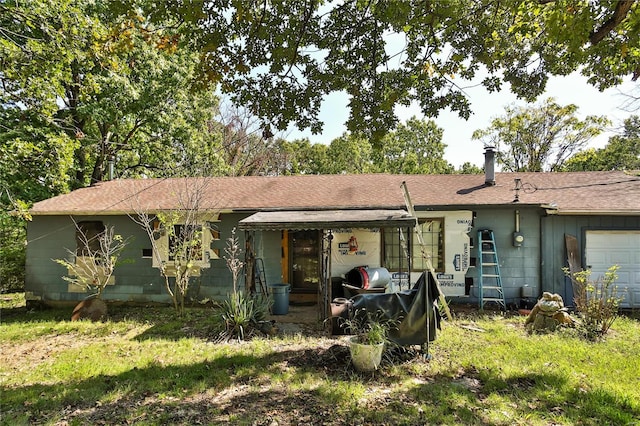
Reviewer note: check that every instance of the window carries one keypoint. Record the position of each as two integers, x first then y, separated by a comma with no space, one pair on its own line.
396,241
183,244
88,235
186,242
395,246
93,265
432,235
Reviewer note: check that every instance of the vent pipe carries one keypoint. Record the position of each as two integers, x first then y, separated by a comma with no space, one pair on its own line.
489,166
112,161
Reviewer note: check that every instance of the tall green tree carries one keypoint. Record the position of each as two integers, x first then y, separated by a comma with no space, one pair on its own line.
37,47
299,157
349,154
539,138
103,80
84,82
622,152
280,58
13,232
469,169
414,147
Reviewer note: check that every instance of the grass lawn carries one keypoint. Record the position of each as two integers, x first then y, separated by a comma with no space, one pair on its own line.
144,366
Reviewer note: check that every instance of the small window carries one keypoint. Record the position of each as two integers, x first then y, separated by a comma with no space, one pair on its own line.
186,242
147,252
88,235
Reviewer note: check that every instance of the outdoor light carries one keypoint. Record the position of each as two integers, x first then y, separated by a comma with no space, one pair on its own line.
518,187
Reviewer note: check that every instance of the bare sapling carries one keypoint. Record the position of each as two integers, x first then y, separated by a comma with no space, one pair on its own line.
92,264
177,239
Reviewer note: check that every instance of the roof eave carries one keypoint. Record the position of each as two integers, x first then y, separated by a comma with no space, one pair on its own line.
581,212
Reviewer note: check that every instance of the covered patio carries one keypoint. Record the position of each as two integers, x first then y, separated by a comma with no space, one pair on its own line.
327,222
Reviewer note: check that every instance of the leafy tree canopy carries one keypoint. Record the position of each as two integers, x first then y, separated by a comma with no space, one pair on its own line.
414,147
540,137
470,169
622,152
86,81
279,58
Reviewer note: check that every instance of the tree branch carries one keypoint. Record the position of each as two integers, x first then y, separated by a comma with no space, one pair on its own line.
620,12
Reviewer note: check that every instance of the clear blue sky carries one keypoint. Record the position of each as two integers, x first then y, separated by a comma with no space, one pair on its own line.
485,106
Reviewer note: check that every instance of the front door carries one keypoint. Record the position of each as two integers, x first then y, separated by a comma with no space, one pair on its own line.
304,261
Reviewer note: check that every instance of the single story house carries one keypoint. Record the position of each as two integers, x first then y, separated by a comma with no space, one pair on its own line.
311,231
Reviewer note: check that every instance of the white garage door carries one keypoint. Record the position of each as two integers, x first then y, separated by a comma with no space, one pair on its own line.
607,248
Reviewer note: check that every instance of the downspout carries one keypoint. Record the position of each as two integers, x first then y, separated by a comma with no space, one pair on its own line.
543,260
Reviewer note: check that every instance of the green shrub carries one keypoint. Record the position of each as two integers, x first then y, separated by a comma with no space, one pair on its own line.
370,328
597,301
13,237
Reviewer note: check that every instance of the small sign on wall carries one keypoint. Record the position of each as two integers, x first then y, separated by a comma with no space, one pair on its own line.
354,247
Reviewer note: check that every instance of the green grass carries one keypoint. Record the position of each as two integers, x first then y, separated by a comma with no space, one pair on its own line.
145,366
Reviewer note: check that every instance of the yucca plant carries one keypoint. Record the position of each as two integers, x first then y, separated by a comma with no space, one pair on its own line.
236,314
243,315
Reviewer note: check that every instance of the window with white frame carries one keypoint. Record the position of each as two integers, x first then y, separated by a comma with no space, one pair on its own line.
185,242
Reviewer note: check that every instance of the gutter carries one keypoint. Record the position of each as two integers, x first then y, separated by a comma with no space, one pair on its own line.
552,210
600,213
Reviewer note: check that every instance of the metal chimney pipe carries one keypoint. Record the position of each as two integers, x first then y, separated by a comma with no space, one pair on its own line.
489,166
112,161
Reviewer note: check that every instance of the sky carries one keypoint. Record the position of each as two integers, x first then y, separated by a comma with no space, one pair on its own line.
457,133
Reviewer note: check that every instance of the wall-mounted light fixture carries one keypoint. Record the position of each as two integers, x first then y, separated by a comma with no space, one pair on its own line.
518,187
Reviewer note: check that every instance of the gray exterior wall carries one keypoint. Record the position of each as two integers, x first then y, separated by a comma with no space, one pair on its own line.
135,280
267,245
536,264
554,255
47,239
519,266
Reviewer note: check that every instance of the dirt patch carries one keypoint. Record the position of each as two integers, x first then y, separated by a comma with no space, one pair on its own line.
22,356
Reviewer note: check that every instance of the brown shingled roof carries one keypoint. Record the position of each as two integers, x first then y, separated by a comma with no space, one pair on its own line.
579,192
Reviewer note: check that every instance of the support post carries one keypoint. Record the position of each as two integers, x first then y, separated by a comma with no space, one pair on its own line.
425,256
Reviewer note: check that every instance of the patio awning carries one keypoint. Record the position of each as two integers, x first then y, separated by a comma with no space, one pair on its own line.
326,219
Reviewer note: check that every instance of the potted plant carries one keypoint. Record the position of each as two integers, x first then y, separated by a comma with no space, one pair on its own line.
369,337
